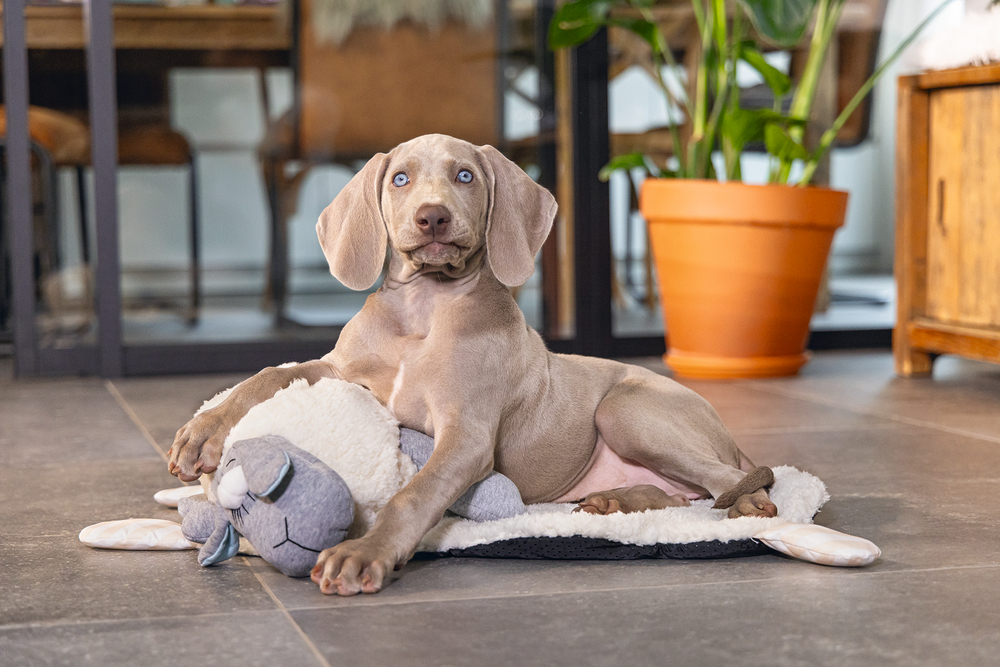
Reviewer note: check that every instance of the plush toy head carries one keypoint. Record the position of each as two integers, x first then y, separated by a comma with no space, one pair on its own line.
283,500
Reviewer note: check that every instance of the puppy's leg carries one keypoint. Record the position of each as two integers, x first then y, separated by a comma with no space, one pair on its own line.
630,499
462,456
198,444
675,433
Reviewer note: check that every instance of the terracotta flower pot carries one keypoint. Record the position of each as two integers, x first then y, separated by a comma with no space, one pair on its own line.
739,268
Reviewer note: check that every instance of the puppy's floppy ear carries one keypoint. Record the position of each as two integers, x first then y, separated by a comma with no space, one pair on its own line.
351,229
520,217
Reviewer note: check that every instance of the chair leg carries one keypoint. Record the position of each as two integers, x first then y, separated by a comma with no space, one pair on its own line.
4,265
277,265
48,244
81,199
52,211
195,238
282,197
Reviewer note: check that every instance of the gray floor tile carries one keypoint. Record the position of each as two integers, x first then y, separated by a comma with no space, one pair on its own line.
49,579
911,465
921,494
925,618
163,405
745,409
61,499
963,395
469,578
244,639
67,420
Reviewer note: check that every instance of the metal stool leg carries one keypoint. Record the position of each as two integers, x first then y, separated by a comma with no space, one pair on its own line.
194,233
81,199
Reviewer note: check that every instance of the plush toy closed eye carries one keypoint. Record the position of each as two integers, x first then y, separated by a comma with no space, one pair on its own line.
287,503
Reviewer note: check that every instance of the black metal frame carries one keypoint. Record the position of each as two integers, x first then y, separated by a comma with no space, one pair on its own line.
18,190
111,358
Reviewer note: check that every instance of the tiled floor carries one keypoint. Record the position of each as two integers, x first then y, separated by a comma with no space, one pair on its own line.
913,465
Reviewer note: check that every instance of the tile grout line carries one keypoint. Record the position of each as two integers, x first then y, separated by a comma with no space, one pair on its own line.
113,390
871,413
107,621
811,429
636,588
284,610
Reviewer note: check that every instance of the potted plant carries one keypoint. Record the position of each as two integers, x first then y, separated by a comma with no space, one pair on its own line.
739,265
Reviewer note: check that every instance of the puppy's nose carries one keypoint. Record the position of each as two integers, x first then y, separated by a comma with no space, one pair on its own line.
432,218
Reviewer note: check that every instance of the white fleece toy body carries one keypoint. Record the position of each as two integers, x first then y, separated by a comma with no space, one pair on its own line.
345,427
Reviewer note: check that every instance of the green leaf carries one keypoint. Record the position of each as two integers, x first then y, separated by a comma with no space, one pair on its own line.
576,22
781,145
647,30
628,162
741,126
779,82
781,21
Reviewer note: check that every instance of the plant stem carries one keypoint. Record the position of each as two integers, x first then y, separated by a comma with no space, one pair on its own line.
700,98
827,16
722,88
661,57
827,139
731,154
675,133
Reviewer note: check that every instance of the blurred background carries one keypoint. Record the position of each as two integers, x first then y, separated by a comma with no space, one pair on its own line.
238,123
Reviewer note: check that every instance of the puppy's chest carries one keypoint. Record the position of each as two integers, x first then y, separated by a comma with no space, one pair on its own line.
406,386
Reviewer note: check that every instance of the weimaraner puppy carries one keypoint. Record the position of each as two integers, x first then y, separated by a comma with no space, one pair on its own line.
444,346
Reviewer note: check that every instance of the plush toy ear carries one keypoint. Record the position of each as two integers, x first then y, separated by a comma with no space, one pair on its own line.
520,217
351,229
264,461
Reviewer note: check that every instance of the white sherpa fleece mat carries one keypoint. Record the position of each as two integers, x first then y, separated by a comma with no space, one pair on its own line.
798,496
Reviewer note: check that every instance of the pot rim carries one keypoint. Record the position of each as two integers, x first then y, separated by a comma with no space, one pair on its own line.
681,200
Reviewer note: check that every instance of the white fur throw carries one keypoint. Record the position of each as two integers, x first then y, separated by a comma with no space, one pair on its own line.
975,41
343,425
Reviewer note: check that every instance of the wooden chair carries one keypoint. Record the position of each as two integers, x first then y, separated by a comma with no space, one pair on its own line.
62,140
373,91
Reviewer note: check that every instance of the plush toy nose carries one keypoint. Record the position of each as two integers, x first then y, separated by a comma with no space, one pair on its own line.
232,488
432,218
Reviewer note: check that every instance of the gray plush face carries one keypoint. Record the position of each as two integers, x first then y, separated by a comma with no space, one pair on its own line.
283,500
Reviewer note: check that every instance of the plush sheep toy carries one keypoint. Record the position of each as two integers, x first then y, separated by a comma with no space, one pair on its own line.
290,505
287,503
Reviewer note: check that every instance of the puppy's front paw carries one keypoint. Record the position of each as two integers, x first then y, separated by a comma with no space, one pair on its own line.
197,446
352,567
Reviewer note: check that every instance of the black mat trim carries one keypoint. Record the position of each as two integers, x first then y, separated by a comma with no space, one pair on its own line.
594,548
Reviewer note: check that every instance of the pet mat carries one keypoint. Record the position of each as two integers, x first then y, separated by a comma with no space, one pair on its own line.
554,531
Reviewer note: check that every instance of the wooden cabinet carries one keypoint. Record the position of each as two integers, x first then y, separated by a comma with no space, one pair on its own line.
948,217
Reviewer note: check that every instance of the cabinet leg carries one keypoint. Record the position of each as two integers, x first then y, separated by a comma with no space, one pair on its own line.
910,362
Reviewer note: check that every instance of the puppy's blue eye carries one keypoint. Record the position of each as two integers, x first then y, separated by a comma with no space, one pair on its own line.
400,179
465,176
